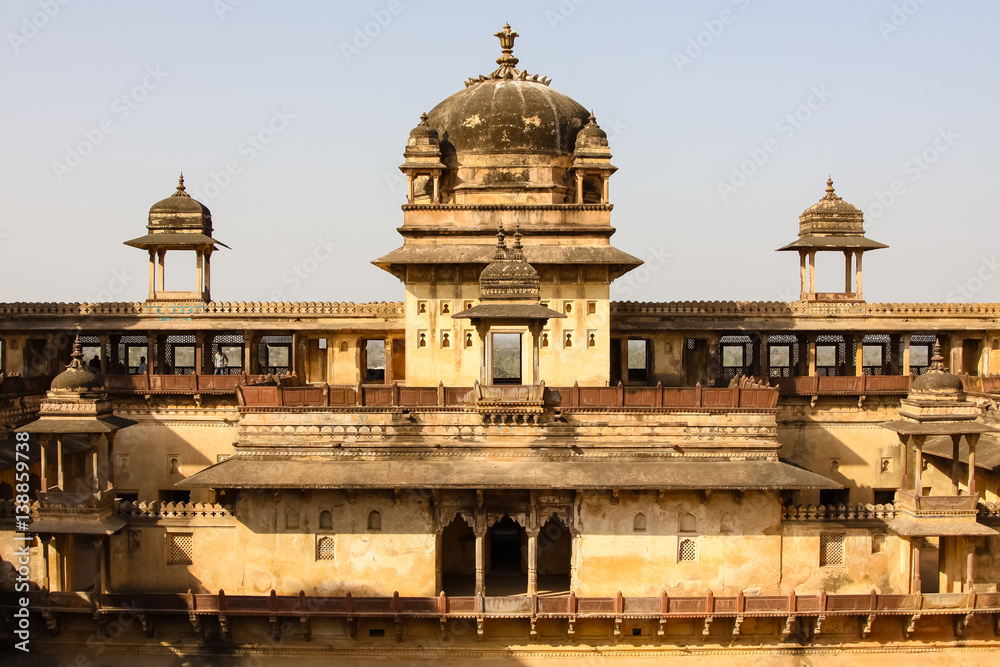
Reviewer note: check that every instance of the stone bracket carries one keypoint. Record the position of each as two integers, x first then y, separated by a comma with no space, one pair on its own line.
911,625
866,629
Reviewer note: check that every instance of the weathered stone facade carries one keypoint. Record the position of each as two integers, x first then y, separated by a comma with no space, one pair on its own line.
506,464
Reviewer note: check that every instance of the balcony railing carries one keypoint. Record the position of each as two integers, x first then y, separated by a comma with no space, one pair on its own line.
844,385
576,397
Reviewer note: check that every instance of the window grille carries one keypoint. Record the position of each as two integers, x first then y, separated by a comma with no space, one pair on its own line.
276,349
228,343
831,550
180,548
790,343
324,548
731,363
687,551
874,363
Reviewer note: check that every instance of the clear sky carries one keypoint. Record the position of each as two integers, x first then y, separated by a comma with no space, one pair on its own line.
105,102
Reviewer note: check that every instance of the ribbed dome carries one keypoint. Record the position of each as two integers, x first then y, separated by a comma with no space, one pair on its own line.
591,137
509,116
831,215
179,202
936,381
76,377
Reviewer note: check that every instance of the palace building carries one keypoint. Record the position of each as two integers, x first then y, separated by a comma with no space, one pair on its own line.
505,464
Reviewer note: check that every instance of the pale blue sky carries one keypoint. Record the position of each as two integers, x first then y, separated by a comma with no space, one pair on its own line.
202,79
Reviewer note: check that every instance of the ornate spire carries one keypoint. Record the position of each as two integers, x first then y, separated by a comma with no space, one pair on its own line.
77,355
937,359
518,252
830,194
423,119
507,63
501,252
181,192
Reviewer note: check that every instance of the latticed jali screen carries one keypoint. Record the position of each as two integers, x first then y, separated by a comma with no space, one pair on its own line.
180,548
831,550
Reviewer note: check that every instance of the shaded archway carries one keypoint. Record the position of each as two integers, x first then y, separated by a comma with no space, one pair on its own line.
554,557
458,558
507,547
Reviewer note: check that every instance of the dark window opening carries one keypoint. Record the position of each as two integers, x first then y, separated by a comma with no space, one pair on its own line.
834,497
884,496
639,357
275,355
374,361
506,358
173,496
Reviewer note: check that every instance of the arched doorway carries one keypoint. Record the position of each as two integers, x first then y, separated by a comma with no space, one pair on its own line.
458,558
554,557
507,568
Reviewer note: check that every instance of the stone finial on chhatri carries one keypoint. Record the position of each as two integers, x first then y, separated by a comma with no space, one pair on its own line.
501,252
181,191
507,69
507,37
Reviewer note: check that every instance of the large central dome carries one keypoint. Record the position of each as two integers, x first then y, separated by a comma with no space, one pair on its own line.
507,136
508,116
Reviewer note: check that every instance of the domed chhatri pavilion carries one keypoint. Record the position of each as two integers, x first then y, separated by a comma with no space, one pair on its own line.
505,465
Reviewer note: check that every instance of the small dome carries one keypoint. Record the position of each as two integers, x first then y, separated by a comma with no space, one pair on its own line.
591,136
509,275
831,215
76,377
423,133
179,202
936,381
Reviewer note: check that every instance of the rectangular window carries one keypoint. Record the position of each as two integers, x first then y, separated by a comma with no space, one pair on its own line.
732,356
920,355
826,356
638,360
375,361
779,356
871,355
591,307
884,496
183,359
834,497
831,550
180,548
506,358
136,355
278,356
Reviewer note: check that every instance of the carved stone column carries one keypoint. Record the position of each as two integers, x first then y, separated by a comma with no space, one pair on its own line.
480,532
532,560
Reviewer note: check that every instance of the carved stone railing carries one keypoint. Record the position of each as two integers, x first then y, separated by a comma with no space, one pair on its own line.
137,308
841,512
794,611
844,385
989,510
179,510
773,308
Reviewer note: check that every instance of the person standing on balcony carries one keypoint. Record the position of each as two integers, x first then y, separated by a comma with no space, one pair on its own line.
220,361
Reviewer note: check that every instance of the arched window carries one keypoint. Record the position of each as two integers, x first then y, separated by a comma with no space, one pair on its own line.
688,523
326,520
468,339
639,523
374,520
445,339
324,548
545,340
291,518
343,346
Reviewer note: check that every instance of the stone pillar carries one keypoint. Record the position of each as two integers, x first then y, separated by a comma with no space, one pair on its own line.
388,376
811,354
105,364
51,557
859,355
409,188
536,334
533,560
607,189
972,439
847,271
60,479
905,345
803,280
250,353
437,187
199,354
970,565
812,271
109,458
101,581
918,463
152,274
199,274
915,567
207,290
43,463
159,274
150,346
956,441
857,287
480,532
765,356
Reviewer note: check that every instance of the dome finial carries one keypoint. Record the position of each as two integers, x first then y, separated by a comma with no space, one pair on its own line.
501,252
937,359
77,355
507,37
181,191
423,118
518,248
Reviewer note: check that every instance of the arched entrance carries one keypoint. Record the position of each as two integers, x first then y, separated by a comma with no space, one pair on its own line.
507,565
554,555
458,558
